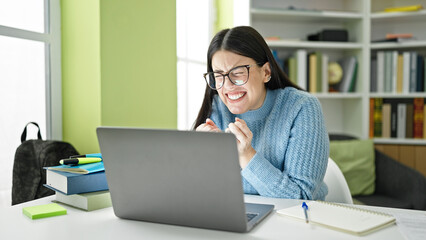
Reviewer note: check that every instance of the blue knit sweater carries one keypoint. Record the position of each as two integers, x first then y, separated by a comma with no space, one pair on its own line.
291,141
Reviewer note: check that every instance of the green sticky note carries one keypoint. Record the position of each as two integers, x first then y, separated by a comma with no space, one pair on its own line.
42,211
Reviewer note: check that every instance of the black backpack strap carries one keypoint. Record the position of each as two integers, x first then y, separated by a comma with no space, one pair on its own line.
24,133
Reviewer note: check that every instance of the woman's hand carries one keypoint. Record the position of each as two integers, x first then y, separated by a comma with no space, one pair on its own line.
244,136
209,126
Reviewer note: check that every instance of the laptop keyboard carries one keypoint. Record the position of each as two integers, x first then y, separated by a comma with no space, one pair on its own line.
250,216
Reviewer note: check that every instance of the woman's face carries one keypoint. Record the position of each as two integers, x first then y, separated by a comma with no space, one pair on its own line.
250,96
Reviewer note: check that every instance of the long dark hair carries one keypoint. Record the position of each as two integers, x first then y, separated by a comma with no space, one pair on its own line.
244,41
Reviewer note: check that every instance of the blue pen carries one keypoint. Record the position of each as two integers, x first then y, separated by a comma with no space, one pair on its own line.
305,209
91,155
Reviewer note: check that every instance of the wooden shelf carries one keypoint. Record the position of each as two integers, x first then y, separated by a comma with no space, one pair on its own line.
398,95
314,45
398,16
305,16
338,95
398,45
401,141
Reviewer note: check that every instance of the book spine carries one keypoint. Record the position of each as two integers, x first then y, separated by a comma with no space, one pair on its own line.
378,117
371,119
418,105
388,72
420,77
394,71
386,120
312,73
406,72
404,8
87,183
319,72
424,121
400,73
402,111
380,71
324,73
373,77
301,68
413,71
409,121
393,116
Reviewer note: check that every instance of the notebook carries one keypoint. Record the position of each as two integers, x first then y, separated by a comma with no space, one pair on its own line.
43,211
341,217
183,178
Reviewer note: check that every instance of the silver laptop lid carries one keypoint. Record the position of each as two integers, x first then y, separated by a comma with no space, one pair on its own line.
176,177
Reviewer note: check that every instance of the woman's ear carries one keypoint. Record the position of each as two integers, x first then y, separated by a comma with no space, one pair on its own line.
267,72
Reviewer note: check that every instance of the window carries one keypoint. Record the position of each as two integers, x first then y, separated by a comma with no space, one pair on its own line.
194,31
30,77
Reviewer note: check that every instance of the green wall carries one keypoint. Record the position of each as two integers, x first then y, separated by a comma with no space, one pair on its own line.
225,14
81,77
118,67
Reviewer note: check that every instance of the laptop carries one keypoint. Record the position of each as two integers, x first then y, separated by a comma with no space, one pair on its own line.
175,177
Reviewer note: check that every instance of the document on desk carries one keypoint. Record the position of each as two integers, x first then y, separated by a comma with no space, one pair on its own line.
411,225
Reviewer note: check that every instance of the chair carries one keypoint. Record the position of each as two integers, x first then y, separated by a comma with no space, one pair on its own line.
338,189
396,185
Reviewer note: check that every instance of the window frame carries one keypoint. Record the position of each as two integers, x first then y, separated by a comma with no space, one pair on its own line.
52,40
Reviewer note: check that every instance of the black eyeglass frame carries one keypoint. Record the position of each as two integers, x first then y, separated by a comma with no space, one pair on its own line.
248,66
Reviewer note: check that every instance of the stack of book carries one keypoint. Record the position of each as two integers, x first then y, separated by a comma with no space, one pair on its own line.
394,72
398,118
311,71
82,186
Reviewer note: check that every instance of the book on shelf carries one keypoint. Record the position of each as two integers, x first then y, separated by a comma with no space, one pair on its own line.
319,68
371,119
312,73
418,106
87,201
395,72
393,115
301,56
409,8
397,40
386,120
80,168
398,35
420,82
373,74
73,183
413,71
399,73
378,117
409,121
424,121
324,71
401,122
350,69
406,72
380,71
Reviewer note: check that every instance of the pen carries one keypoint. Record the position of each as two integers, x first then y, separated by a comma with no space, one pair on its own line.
73,161
91,155
305,209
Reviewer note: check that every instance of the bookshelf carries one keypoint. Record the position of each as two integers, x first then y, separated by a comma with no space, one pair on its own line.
365,21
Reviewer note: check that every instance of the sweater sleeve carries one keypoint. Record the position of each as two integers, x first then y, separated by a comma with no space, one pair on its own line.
304,163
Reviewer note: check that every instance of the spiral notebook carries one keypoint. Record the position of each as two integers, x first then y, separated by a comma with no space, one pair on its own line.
341,217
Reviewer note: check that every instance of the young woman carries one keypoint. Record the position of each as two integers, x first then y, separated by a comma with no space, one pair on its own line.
282,141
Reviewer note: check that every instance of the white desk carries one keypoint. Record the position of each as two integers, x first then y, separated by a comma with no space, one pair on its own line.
103,224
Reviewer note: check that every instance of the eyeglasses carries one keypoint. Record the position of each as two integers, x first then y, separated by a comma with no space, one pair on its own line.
238,76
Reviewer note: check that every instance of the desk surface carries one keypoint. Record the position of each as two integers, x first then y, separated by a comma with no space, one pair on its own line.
103,224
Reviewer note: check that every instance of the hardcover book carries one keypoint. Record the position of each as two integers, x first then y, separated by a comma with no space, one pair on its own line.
73,183
418,105
86,201
80,169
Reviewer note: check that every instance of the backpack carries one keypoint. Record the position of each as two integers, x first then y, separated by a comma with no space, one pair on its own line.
30,159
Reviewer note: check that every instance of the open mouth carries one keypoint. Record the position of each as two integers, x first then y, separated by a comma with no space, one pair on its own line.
235,96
